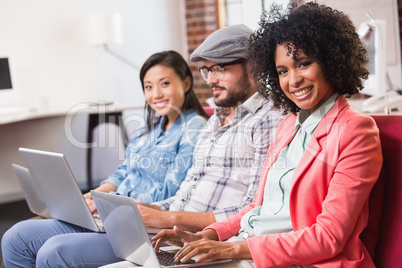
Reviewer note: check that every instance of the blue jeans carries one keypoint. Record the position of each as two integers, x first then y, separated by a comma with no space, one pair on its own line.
54,243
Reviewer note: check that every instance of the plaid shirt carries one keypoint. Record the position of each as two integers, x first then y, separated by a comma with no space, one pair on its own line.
227,161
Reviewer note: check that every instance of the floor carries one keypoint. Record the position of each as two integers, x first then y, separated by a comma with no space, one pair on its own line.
11,213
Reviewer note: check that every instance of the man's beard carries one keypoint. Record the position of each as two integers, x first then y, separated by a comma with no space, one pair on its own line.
237,94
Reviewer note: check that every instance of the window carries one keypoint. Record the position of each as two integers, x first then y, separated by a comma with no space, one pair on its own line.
248,12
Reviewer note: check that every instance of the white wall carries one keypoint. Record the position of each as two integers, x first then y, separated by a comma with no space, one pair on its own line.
386,10
247,12
49,44
53,63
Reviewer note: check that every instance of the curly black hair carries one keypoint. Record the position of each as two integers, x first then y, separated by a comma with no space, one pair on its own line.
327,33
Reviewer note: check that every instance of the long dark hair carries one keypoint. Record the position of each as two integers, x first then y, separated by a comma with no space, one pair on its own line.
175,61
329,35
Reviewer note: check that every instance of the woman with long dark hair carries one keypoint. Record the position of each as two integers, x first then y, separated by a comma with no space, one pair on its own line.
159,155
157,159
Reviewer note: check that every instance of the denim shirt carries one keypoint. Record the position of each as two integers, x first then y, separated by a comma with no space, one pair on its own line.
156,163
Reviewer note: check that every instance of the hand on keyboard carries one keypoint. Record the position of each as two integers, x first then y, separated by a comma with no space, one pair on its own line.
91,205
167,258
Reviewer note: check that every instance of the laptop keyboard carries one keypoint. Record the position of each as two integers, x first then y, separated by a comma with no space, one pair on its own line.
99,222
167,259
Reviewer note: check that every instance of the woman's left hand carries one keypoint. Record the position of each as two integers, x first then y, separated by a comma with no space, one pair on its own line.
213,250
176,237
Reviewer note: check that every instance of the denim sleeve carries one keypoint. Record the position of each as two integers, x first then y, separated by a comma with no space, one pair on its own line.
118,176
178,168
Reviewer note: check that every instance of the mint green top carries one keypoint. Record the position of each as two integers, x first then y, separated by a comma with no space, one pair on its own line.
274,215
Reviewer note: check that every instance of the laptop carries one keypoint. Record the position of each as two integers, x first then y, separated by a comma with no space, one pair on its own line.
58,188
128,236
31,193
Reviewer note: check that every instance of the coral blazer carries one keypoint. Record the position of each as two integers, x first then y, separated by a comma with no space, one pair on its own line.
328,198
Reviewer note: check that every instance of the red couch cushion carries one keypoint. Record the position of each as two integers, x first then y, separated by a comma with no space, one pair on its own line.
389,205
209,110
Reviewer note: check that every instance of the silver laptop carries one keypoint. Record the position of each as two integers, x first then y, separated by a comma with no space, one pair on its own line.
58,188
128,236
31,193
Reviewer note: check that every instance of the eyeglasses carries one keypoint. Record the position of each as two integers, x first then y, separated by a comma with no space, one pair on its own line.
217,70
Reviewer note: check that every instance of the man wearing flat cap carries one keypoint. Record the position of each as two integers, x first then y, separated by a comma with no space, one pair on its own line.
227,160
230,151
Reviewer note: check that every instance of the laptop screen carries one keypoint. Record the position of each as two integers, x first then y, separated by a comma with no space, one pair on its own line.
125,229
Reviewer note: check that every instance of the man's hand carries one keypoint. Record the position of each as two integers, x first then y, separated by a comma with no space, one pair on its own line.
152,215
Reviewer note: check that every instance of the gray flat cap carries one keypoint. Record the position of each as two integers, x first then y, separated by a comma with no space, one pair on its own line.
224,45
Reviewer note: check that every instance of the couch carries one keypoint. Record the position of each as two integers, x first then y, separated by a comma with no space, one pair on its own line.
383,234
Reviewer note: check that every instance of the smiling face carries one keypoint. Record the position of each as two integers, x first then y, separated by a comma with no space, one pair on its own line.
302,80
165,91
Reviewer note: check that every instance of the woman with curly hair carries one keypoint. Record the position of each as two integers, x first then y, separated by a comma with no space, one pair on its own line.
312,201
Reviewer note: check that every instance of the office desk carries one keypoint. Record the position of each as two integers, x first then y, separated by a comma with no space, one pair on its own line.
98,113
357,104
